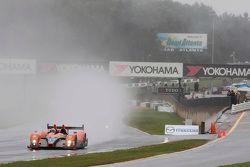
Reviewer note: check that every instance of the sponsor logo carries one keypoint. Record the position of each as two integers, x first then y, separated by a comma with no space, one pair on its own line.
51,140
170,129
146,69
119,68
52,67
193,70
181,129
79,67
171,42
216,70
186,130
153,70
185,42
220,71
17,66
48,67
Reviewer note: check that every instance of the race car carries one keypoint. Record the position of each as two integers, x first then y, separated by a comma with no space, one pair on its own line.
59,137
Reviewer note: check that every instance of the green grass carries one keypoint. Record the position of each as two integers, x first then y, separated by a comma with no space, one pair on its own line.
207,83
210,82
93,159
246,164
151,121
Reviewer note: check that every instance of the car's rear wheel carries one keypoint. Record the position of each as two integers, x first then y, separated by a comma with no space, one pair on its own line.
86,143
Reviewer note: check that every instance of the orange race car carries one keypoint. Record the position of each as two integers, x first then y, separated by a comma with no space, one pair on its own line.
62,137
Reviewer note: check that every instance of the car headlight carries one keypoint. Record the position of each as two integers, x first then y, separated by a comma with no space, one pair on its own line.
34,142
70,143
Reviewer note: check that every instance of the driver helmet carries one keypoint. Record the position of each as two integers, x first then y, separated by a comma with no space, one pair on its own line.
53,130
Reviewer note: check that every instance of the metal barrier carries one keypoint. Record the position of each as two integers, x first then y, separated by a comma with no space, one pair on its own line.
240,107
215,101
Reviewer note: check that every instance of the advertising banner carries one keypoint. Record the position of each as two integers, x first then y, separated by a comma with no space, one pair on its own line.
67,67
182,42
164,90
136,85
181,130
217,70
165,108
17,66
146,69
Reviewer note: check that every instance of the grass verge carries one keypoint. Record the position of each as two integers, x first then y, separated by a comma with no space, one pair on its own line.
246,164
93,159
208,82
151,121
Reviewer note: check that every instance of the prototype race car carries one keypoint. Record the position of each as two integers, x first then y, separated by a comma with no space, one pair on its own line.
60,137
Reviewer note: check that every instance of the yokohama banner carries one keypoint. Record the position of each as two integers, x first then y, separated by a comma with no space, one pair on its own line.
217,70
17,66
146,69
67,67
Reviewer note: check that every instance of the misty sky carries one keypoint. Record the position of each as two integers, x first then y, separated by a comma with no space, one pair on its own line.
237,7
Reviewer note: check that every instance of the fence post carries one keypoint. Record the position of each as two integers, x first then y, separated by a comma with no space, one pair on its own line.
179,89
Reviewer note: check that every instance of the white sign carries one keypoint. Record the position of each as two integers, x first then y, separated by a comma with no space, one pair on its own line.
67,68
146,69
182,41
181,130
165,109
17,66
136,85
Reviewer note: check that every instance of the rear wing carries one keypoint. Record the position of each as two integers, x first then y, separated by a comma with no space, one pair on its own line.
66,127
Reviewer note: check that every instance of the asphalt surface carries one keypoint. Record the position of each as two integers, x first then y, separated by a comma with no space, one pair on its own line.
235,148
14,141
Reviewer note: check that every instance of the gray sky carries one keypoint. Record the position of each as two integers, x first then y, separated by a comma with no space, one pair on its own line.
237,7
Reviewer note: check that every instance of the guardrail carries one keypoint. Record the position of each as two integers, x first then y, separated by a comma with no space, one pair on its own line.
240,107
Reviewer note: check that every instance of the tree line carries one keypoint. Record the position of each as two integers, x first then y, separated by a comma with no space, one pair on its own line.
125,30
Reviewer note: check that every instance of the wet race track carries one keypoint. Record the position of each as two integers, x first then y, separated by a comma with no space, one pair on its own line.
30,102
14,141
235,148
